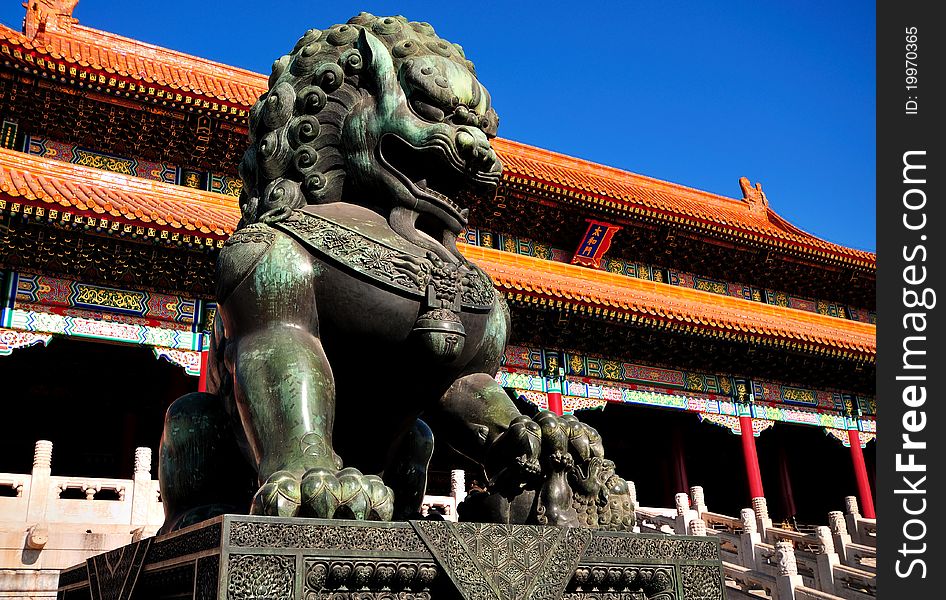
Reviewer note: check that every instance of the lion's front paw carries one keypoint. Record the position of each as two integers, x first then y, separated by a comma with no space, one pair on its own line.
513,459
345,494
278,497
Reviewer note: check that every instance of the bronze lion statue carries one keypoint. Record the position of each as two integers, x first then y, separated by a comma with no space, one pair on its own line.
350,330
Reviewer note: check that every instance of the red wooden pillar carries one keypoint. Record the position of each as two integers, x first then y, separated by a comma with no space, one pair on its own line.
860,471
554,374
202,382
753,474
555,396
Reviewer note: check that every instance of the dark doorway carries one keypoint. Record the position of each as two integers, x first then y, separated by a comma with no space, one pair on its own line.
646,444
820,472
96,402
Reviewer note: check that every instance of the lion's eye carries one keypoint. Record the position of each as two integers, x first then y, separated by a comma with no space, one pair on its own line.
425,108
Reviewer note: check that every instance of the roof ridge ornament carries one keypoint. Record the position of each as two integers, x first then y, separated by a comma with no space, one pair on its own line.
48,15
754,196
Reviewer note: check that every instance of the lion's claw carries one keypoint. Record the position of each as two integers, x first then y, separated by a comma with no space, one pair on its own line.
321,490
278,497
327,494
347,494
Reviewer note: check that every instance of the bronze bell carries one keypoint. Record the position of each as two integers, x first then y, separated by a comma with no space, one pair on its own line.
441,333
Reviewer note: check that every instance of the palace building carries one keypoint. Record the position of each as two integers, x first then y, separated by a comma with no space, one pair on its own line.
710,341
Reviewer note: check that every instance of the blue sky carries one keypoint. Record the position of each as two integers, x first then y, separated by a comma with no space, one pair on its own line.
698,93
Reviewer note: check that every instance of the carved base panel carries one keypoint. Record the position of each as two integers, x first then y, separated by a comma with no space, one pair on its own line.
255,558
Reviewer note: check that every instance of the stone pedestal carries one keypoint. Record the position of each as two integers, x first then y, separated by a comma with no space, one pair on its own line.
244,557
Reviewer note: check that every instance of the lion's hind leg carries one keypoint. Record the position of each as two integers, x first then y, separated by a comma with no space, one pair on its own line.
201,468
407,471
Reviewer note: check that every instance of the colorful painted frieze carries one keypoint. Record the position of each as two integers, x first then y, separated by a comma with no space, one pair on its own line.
520,381
713,286
621,267
134,167
188,359
733,424
99,315
208,315
859,314
8,131
58,324
37,304
581,371
685,279
520,357
77,155
765,391
224,184
734,289
802,304
192,179
11,339
830,309
478,237
842,436
570,404
40,290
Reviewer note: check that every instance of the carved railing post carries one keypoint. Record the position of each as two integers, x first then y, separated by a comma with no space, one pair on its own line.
761,509
827,559
850,506
788,578
680,525
748,521
838,525
697,527
749,539
632,493
40,481
143,488
852,514
458,485
697,500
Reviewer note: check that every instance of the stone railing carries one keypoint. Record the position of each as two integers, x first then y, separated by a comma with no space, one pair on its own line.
760,560
41,531
862,530
446,506
49,522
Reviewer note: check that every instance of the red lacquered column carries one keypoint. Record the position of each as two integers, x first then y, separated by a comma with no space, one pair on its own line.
202,382
555,396
860,473
753,473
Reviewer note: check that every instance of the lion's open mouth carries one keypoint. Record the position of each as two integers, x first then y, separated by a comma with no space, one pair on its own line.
430,175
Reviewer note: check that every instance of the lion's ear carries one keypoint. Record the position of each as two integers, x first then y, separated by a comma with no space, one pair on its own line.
378,63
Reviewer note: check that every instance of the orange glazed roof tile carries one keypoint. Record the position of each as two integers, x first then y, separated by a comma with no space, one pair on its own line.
69,188
632,193
73,188
682,308
614,190
136,60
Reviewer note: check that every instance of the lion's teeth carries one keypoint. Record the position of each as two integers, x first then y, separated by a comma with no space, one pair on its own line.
422,184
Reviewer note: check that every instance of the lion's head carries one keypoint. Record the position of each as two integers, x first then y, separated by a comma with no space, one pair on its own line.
378,112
